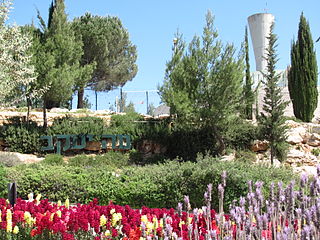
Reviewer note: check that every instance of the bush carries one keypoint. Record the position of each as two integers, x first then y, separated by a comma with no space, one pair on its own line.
21,136
162,185
110,159
246,156
315,151
71,125
53,159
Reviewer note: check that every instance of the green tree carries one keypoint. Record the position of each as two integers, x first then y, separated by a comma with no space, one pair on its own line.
106,44
272,121
57,57
303,74
202,84
17,73
248,93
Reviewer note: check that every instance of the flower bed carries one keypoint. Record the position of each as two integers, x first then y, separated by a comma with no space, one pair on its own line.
289,213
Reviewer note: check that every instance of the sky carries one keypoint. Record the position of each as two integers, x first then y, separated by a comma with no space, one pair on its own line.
152,24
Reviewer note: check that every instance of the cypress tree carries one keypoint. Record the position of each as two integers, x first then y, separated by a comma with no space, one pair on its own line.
303,74
248,93
272,118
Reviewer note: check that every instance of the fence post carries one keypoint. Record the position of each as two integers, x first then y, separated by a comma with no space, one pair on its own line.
12,193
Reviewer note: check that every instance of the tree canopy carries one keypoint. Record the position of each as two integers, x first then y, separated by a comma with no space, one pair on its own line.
303,74
203,83
106,44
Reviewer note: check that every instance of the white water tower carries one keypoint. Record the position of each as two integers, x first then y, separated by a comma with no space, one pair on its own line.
259,25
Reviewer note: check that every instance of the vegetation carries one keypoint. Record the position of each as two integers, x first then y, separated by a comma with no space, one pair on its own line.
303,74
202,84
272,118
162,185
106,45
248,93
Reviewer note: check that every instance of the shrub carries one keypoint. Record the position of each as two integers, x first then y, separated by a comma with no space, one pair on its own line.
315,151
9,159
53,159
246,156
21,136
71,125
110,159
162,185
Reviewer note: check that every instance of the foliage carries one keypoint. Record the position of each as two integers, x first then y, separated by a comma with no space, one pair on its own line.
315,151
16,69
272,119
303,74
106,44
110,159
79,126
53,159
246,156
248,94
21,136
202,84
162,185
57,53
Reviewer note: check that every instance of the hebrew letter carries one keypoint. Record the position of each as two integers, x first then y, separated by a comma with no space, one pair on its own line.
75,144
128,142
49,146
67,144
104,141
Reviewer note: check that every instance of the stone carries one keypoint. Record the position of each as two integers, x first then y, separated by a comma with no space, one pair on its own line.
93,146
259,146
14,158
295,153
313,143
294,138
58,110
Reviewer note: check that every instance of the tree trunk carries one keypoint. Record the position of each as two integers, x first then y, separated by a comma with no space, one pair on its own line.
28,109
222,146
80,97
45,121
51,104
271,155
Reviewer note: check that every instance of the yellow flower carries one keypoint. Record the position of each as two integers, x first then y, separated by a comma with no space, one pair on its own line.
51,217
27,217
149,226
161,222
144,218
103,220
155,222
67,203
9,226
181,223
9,215
107,233
112,211
38,198
30,197
279,228
0,216
15,230
115,218
59,203
58,213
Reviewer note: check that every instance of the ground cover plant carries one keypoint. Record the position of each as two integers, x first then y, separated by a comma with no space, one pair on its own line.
288,212
156,185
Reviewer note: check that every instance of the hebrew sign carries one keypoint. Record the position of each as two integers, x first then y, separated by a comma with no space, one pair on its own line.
76,142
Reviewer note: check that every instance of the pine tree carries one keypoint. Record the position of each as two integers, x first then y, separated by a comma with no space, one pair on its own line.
203,84
106,44
272,118
303,74
248,93
58,54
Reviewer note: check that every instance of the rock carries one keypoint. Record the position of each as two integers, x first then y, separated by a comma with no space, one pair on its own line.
229,157
14,158
294,138
295,153
258,146
315,136
309,170
313,143
93,146
292,124
58,110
